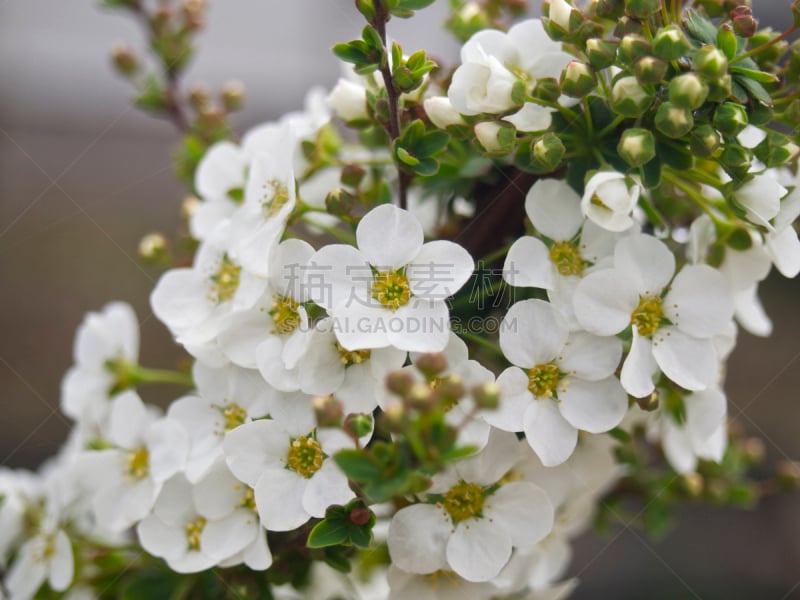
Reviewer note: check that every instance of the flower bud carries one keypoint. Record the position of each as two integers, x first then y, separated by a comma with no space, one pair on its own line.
233,96
328,411
641,9
629,98
601,53
431,365
754,450
704,141
547,152
627,26
547,89
495,138
743,21
339,202
693,484
395,417
637,147
399,382
562,15
420,397
357,425
441,112
670,43
649,403
674,121
720,90
349,101
608,199
710,62
352,175
730,119
609,9
578,79
726,41
189,206
449,391
776,150
688,91
199,98
632,47
771,53
154,248
735,159
788,475
650,70
486,396
124,59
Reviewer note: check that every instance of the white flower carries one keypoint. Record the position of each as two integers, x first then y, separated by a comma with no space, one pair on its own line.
782,243
493,61
703,434
233,533
671,331
609,200
391,290
442,113
487,133
193,302
348,100
226,397
443,584
125,479
291,471
474,524
531,117
45,556
575,243
761,199
560,383
105,343
178,533
219,181
559,12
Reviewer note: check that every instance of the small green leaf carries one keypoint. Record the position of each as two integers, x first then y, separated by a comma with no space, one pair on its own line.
406,158
760,76
431,144
755,89
701,28
329,532
358,466
426,167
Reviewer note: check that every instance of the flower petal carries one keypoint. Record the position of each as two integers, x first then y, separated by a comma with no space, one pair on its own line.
251,448
328,486
439,270
532,333
639,367
515,398
528,264
478,549
646,262
279,498
590,357
593,406
690,362
552,438
554,208
418,537
603,302
389,237
699,301
523,510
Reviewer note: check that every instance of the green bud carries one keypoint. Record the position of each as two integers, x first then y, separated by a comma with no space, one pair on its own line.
601,53
328,411
670,43
641,9
486,396
609,9
674,121
735,159
637,147
740,239
449,391
776,150
726,40
720,89
772,53
650,70
704,141
399,382
760,114
352,175
431,365
562,18
743,22
495,138
578,79
233,95
547,152
788,473
357,425
339,202
710,62
626,26
688,91
632,47
125,61
405,80
366,8
692,484
154,248
547,89
629,98
730,119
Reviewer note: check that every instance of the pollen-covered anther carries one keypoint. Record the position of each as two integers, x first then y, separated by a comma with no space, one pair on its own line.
226,280
543,379
352,357
391,288
285,315
648,315
275,197
567,258
305,456
464,500
194,531
138,464
234,416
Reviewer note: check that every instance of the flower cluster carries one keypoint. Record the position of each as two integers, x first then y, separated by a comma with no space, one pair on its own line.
339,409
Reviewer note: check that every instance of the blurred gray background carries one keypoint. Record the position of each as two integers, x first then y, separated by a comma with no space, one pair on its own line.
83,176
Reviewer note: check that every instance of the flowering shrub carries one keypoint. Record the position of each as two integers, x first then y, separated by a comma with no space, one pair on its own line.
543,256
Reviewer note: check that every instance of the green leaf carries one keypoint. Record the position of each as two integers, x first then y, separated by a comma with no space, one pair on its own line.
406,158
651,173
755,89
349,53
760,76
701,28
329,532
426,167
358,466
152,95
677,157
431,144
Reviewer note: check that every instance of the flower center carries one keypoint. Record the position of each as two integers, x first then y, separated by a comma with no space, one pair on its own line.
567,258
285,315
226,281
464,500
648,315
248,499
544,379
193,532
305,456
442,576
139,463
597,201
275,197
391,288
352,357
234,416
